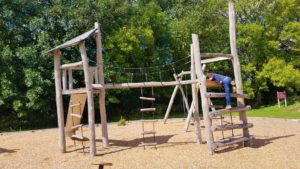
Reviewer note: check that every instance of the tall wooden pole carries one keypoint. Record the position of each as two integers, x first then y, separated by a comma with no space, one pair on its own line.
59,102
102,91
195,98
205,105
90,99
236,64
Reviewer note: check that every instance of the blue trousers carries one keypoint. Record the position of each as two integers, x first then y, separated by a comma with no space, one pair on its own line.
227,87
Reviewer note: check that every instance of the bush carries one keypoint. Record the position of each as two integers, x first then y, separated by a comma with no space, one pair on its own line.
122,121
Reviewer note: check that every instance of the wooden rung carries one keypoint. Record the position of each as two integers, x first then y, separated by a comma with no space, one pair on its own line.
148,144
214,55
148,109
148,132
219,144
148,121
234,109
103,164
147,98
74,105
217,106
222,95
78,137
77,126
71,65
230,127
75,115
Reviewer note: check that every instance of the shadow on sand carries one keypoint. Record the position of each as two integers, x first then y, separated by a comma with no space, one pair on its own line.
256,143
4,150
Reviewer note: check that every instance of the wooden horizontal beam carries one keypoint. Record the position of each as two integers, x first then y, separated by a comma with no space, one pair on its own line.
214,55
234,109
217,59
142,84
71,65
222,95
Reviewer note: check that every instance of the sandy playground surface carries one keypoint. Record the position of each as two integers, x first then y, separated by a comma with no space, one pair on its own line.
277,145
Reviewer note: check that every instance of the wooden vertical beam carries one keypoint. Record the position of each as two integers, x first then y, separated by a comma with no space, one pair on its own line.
90,99
64,79
70,78
236,64
59,102
205,104
102,91
195,97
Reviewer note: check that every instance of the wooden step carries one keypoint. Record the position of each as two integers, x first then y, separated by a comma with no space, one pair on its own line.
217,106
222,95
71,65
78,137
148,144
230,127
75,115
74,105
148,109
234,109
148,98
219,144
77,126
148,121
148,132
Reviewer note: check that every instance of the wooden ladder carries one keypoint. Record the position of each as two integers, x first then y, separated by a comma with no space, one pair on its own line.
144,122
210,112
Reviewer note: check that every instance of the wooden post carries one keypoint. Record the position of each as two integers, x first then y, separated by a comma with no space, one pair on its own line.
59,102
189,117
102,91
90,99
236,65
64,77
182,93
195,97
70,76
205,104
171,103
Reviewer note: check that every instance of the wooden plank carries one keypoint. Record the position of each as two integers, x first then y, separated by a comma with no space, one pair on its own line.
236,64
231,142
211,60
142,84
234,109
203,90
71,65
59,102
90,99
223,95
195,66
102,91
75,110
74,41
231,127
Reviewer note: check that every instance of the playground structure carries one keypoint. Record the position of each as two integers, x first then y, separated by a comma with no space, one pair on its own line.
94,84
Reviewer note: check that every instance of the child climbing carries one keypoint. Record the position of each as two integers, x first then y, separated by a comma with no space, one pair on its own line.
226,82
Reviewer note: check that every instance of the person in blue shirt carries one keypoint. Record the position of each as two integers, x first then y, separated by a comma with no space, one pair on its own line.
225,81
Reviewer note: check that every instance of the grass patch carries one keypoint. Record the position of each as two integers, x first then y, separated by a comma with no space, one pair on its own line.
289,112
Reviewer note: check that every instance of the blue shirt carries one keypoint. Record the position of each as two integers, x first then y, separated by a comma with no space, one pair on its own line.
219,78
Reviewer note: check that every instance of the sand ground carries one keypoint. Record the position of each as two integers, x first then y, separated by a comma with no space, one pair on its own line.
277,145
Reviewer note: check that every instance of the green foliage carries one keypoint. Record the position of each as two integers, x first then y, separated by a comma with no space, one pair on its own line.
122,121
139,33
